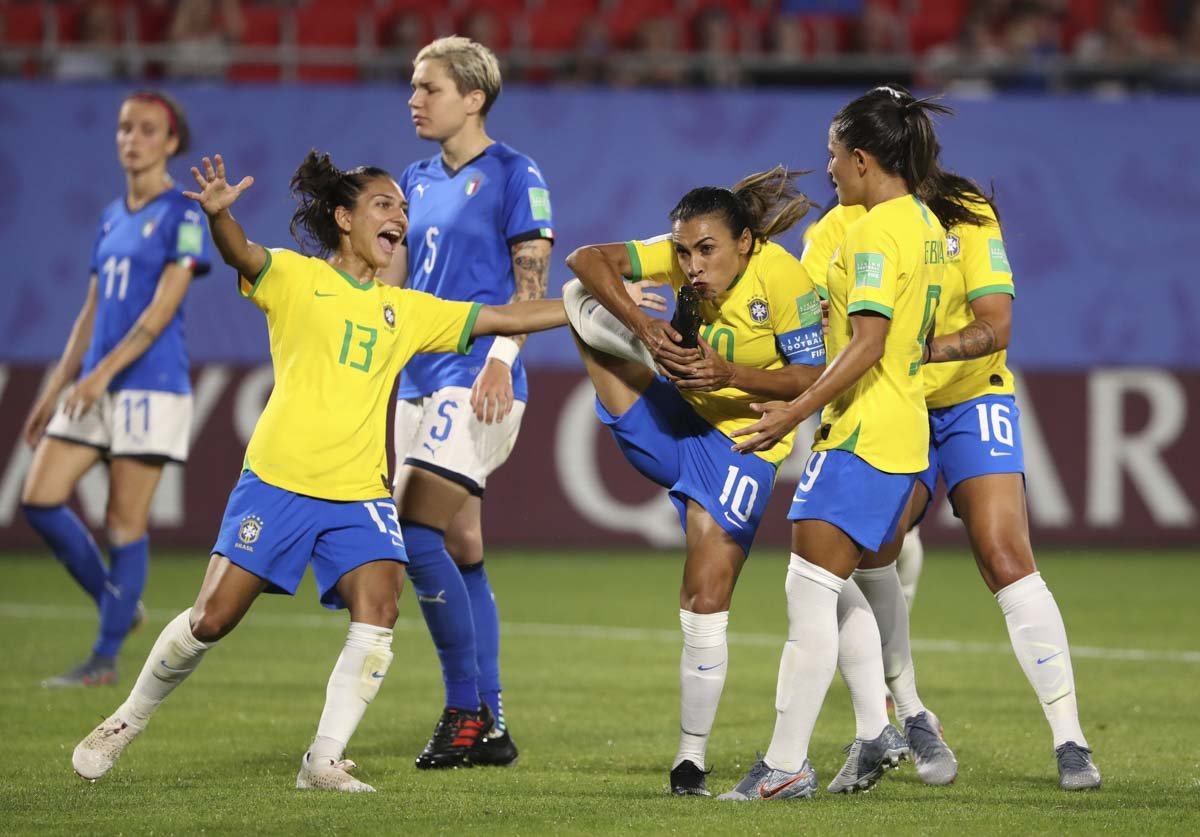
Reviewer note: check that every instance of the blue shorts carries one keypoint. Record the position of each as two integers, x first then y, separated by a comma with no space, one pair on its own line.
275,534
973,439
669,443
864,502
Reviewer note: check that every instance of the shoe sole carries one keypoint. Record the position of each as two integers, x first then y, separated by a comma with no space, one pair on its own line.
891,760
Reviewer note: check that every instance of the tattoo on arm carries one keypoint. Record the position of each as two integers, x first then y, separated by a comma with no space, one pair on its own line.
531,269
976,339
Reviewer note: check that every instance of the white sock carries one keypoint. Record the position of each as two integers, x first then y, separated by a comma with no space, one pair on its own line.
1039,640
702,669
597,327
860,662
808,662
909,564
354,682
881,587
175,655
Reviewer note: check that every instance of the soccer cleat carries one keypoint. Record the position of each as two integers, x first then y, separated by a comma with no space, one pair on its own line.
1076,770
764,782
456,733
327,774
495,748
139,618
95,755
95,671
686,319
867,761
688,780
935,762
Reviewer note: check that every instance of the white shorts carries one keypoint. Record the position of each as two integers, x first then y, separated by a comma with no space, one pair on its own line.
440,433
131,422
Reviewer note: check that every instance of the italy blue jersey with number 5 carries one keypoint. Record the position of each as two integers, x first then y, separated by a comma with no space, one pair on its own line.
131,251
462,227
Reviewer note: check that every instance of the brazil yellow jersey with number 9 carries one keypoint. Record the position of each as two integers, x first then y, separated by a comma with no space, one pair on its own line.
337,346
890,263
770,316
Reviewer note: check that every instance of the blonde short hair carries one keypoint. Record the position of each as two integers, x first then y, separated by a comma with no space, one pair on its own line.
472,66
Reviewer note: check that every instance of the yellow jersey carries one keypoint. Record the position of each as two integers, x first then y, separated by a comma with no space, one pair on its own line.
337,346
821,241
890,263
976,265
770,316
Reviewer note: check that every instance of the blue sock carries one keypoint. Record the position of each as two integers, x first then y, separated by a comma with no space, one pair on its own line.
72,545
487,637
447,609
126,581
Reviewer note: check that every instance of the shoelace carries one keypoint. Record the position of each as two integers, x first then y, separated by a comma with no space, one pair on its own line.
345,764
115,729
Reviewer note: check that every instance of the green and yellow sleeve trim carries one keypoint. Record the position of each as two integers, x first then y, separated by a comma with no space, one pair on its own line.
865,305
257,279
466,339
634,261
991,289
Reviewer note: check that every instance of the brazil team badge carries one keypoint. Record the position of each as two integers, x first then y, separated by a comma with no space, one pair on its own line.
389,315
759,312
248,532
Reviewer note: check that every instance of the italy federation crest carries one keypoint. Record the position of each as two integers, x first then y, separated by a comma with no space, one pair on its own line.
250,529
758,309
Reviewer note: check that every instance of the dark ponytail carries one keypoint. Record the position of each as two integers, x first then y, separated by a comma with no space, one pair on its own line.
956,200
767,203
895,129
320,188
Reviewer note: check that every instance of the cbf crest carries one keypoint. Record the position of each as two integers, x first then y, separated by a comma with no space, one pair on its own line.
248,531
389,315
759,312
952,246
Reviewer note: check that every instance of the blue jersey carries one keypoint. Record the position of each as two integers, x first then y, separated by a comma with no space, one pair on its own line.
461,228
131,251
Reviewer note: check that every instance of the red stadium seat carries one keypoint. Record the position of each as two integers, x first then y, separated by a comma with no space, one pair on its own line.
262,30
558,28
23,26
934,22
624,17
328,25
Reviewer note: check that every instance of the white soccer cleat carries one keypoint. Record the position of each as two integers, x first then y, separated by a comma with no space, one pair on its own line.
327,774
95,755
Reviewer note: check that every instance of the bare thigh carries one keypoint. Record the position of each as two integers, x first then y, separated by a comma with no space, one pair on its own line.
714,562
890,551
371,591
825,545
619,383
992,508
56,467
132,482
226,594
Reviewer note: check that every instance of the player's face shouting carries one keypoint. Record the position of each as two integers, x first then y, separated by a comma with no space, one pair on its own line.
144,140
710,256
438,110
377,224
844,173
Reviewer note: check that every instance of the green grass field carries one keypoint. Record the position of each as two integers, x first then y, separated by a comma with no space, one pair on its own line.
590,657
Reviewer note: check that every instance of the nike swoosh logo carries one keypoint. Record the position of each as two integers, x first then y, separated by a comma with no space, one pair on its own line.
318,293
1048,659
799,499
767,793
377,675
168,667
710,668
995,452
734,522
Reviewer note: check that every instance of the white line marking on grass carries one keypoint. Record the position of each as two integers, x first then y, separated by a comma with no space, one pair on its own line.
75,613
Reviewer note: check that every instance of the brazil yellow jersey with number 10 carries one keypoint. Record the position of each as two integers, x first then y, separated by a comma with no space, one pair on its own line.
770,316
890,263
337,346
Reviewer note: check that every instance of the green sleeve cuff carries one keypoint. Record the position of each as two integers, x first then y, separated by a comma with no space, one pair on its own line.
634,261
466,340
257,279
991,289
875,307
822,291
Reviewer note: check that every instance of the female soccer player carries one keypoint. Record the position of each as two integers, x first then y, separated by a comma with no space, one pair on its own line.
760,338
975,443
480,231
874,435
315,487
130,402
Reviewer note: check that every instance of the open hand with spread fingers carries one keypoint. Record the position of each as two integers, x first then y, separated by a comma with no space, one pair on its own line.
779,418
216,194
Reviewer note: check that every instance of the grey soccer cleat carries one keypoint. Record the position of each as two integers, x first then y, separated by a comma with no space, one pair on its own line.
1076,770
867,761
935,762
765,782
95,671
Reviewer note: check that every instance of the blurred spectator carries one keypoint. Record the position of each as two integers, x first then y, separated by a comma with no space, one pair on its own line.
656,59
591,57
714,39
202,34
92,51
1032,37
787,38
881,31
1118,37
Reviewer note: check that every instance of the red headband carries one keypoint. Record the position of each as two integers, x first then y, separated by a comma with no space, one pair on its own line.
157,99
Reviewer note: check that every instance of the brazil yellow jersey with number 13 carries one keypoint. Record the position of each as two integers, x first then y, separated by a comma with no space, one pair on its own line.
337,346
770,316
890,263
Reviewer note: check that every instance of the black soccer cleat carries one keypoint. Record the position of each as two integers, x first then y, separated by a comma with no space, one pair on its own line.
457,731
494,748
686,319
688,780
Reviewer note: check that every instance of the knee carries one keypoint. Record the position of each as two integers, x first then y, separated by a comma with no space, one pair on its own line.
122,527
1003,563
712,597
466,548
210,622
378,610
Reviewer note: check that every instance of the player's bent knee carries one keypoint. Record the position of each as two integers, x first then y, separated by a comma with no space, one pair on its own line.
1003,564
715,599
210,624
380,611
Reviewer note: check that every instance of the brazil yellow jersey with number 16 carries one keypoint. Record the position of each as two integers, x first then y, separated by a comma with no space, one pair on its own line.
337,346
770,316
890,263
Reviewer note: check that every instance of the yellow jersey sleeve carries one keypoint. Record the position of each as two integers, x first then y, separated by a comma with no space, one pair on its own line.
269,289
984,261
654,257
873,257
430,324
795,310
821,242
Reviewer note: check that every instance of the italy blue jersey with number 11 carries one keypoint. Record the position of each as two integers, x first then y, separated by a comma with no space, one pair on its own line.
128,258
462,226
